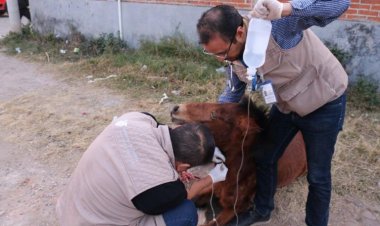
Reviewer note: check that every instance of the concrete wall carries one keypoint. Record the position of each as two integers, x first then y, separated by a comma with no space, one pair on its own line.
154,21
89,17
361,40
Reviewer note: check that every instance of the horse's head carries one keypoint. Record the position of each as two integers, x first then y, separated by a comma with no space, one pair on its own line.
229,121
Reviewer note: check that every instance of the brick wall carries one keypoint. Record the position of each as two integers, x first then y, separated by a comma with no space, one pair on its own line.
363,10
367,10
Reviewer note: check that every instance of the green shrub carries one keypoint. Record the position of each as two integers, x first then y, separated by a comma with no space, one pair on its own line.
105,44
364,94
343,56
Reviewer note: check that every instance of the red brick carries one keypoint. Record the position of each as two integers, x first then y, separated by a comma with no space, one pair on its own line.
343,17
370,1
376,19
360,6
368,13
351,11
356,17
375,7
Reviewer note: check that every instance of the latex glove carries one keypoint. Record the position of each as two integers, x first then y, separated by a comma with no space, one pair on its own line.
219,173
267,9
186,176
218,156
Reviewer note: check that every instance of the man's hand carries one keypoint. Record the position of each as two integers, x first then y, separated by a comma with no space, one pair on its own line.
219,173
267,9
218,156
186,176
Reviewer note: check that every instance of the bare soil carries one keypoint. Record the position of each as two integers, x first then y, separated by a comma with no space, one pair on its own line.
47,121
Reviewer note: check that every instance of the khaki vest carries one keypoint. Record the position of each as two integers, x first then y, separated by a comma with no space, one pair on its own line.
130,156
304,77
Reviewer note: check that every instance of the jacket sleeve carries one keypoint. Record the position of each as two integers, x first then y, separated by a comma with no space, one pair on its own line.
234,88
318,12
161,198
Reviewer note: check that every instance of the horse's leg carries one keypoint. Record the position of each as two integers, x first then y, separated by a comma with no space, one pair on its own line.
225,216
202,201
222,219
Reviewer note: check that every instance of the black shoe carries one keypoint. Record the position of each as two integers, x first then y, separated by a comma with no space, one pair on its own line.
249,218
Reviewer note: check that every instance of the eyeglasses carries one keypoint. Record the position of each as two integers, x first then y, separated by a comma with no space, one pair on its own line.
222,55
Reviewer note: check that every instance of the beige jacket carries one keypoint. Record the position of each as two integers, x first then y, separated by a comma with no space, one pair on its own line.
130,156
304,77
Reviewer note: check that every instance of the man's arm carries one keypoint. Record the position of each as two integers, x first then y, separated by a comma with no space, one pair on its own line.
217,174
234,89
198,187
316,12
161,198
304,13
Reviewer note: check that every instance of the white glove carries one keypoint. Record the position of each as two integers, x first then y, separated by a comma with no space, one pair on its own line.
267,9
219,173
218,156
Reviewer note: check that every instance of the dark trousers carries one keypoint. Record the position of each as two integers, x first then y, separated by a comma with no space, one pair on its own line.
184,214
320,130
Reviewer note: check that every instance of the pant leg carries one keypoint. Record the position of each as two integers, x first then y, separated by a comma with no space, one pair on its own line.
279,134
184,214
320,130
26,13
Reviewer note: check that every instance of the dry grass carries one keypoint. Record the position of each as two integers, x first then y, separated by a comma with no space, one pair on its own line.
356,165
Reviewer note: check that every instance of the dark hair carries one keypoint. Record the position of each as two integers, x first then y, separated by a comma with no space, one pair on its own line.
192,143
222,19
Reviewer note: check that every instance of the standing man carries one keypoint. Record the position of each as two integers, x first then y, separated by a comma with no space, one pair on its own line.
309,84
23,6
129,175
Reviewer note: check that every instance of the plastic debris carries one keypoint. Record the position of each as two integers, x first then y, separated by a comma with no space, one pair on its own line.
76,50
100,79
62,51
164,97
176,92
144,67
220,70
18,50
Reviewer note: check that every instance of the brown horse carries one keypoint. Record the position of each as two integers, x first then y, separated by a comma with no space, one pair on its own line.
237,127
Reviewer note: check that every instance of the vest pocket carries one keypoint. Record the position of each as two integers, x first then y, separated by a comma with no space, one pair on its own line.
298,85
307,92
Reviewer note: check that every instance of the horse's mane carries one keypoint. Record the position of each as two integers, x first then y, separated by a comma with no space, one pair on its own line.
260,113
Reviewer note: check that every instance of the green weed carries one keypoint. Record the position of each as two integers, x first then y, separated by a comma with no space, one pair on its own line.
343,56
364,94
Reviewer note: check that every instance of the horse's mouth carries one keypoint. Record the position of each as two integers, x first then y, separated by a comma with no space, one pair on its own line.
177,121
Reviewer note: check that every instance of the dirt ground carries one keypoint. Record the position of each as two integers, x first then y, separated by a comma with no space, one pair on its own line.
47,121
